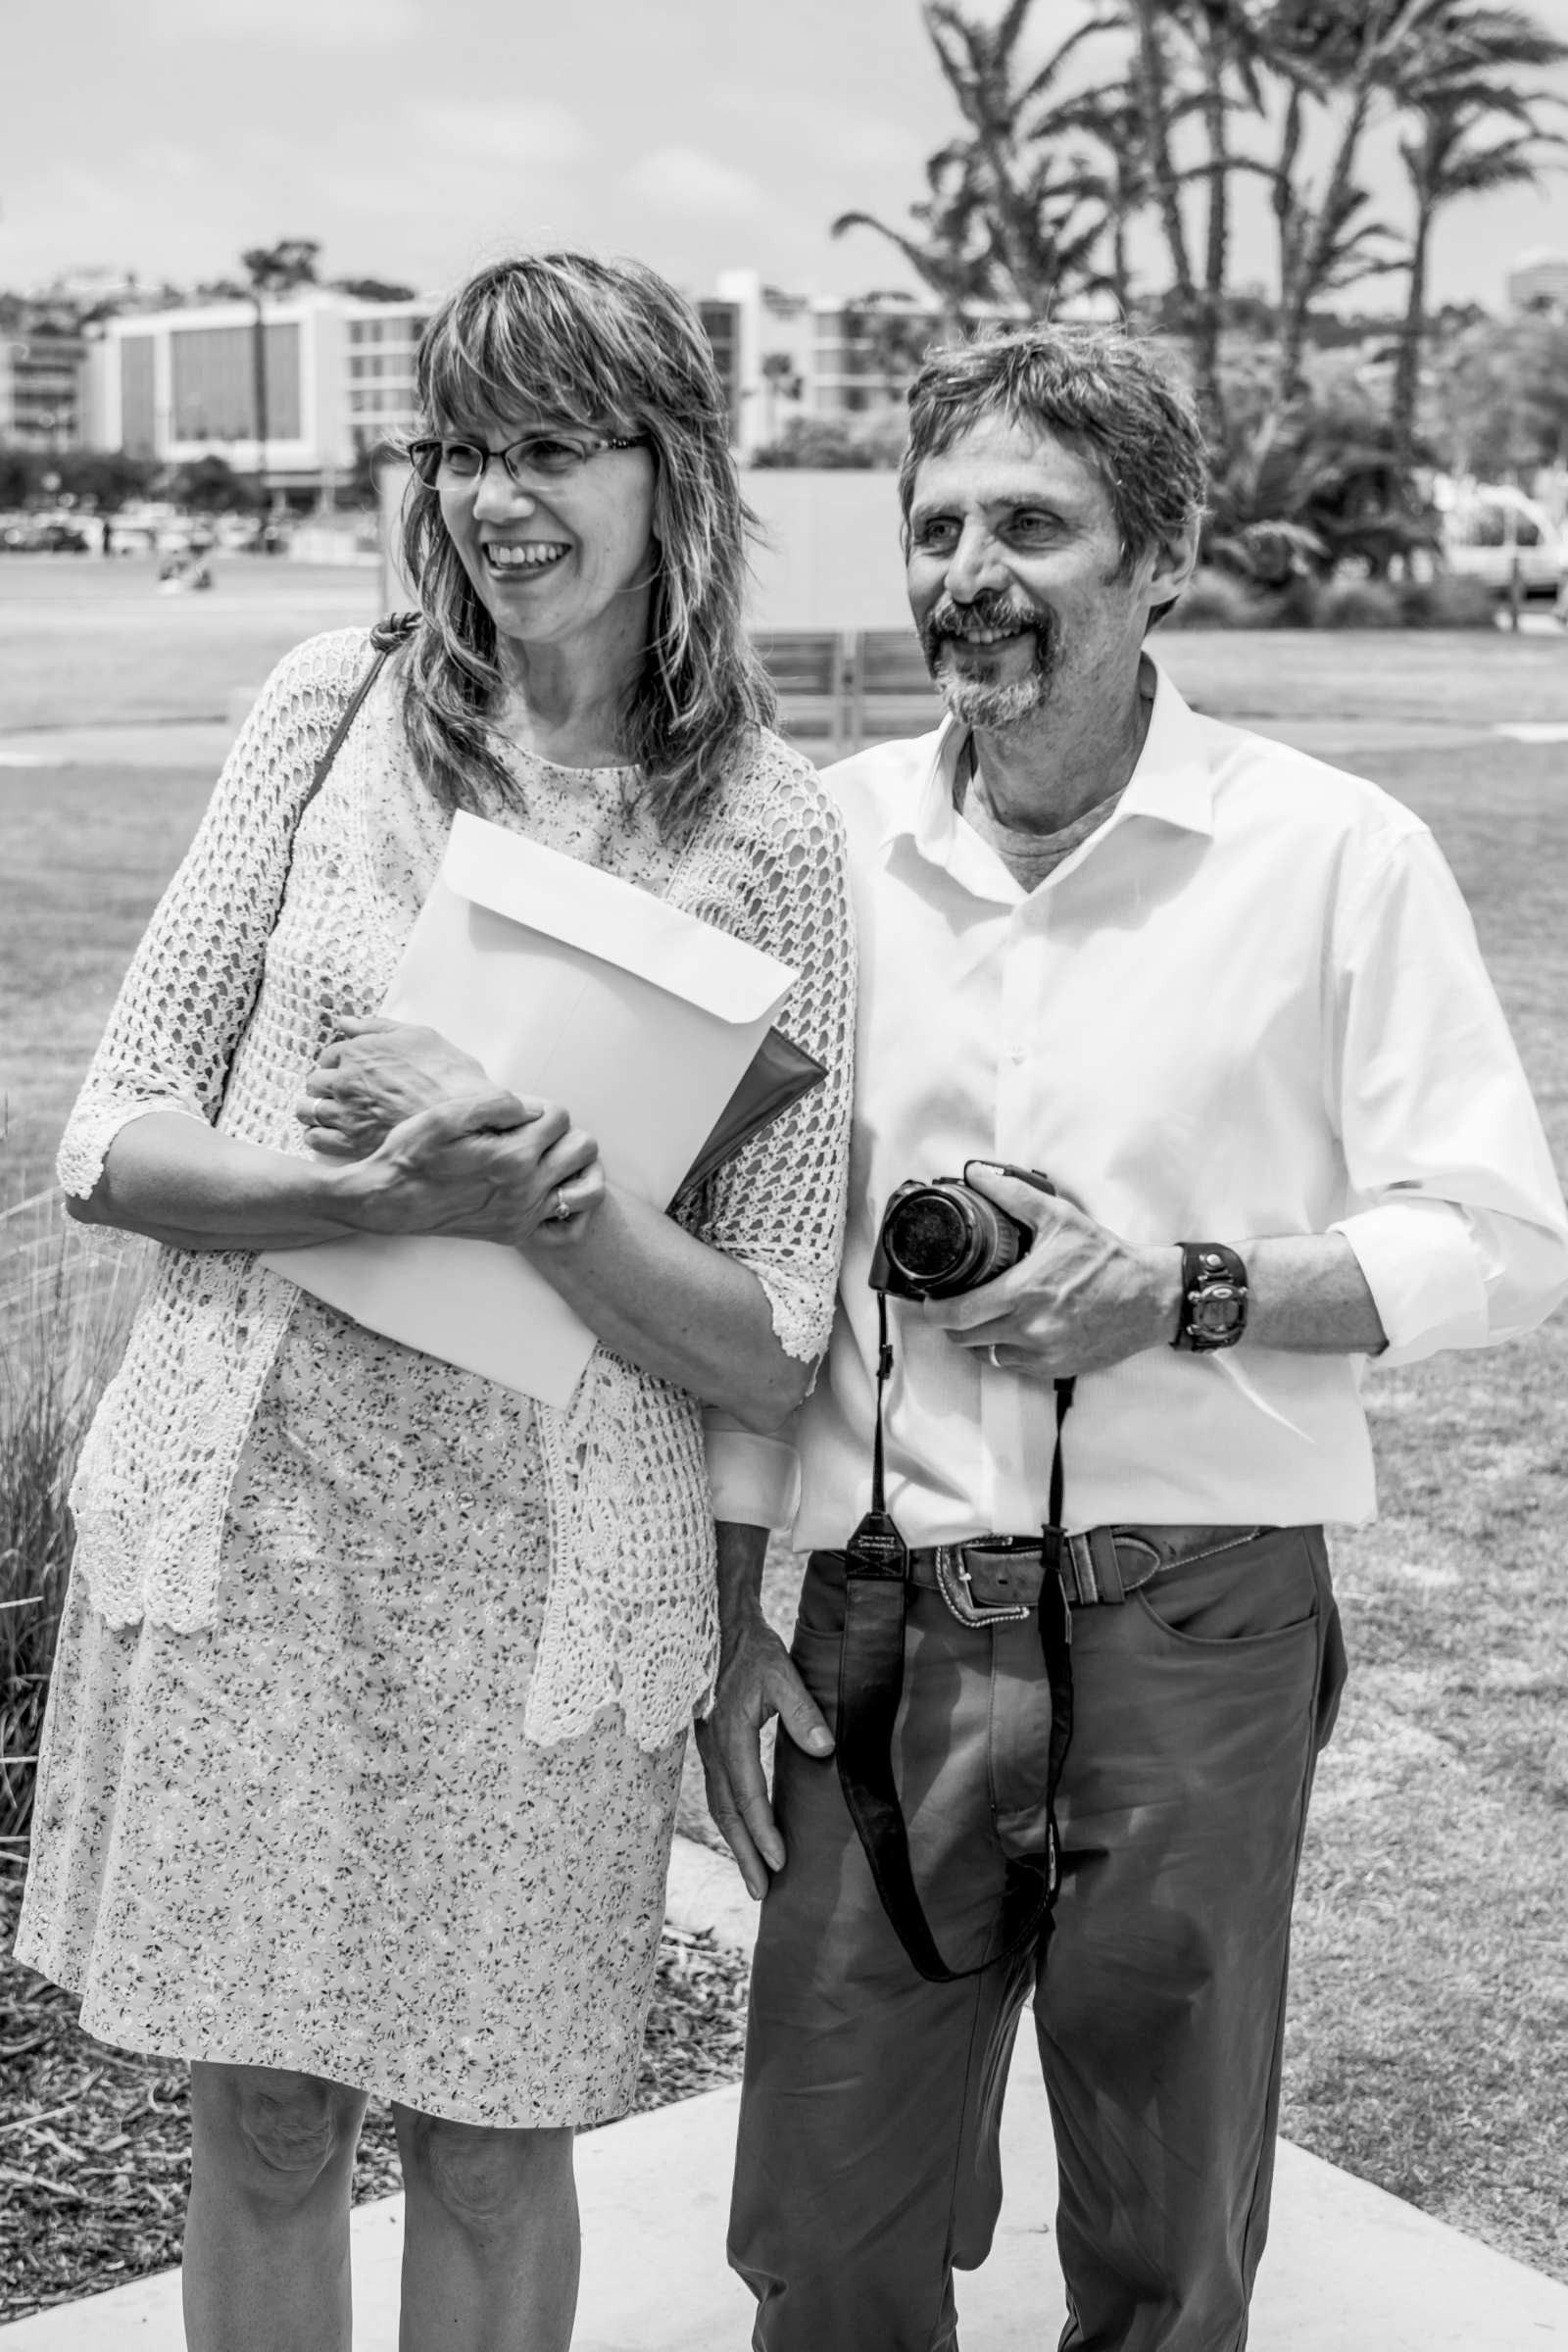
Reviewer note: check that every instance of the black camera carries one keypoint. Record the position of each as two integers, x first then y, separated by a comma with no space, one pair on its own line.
941,1238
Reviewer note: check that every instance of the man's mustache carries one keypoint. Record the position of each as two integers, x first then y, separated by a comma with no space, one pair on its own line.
993,609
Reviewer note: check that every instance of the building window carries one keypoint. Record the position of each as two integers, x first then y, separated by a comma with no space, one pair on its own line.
213,382
722,322
137,408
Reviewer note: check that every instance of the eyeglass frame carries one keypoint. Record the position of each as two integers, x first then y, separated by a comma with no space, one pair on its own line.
597,445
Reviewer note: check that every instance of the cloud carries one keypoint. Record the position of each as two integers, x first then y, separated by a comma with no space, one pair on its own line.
305,23
683,180
502,131
856,137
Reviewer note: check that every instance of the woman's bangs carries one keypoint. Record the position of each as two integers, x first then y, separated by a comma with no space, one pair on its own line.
496,356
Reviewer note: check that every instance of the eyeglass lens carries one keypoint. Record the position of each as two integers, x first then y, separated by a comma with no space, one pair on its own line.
546,456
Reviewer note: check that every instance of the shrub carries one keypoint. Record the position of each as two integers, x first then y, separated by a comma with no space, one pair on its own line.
1296,606
1215,600
63,1309
834,443
1359,605
1449,601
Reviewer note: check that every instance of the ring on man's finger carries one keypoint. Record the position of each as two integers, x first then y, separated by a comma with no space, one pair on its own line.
994,1355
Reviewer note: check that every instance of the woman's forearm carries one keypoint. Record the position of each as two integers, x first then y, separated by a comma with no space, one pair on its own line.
177,1180
675,1308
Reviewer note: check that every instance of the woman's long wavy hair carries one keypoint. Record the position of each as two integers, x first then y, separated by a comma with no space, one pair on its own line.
609,347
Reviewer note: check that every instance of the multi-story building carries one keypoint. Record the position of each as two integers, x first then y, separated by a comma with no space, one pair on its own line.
41,375
817,356
181,383
336,370
1539,280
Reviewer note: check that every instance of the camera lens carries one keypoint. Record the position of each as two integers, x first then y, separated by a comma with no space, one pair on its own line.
944,1238
929,1237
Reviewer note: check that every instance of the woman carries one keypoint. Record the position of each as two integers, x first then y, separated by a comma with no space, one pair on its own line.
368,1715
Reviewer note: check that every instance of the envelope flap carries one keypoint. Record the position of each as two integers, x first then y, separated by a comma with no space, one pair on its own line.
605,916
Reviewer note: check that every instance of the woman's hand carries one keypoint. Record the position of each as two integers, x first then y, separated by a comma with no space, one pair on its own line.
489,1166
374,1075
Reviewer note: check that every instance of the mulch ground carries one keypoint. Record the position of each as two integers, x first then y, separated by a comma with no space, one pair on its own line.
95,2145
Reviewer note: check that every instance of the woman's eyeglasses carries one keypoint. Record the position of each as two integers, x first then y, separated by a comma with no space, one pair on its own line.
536,458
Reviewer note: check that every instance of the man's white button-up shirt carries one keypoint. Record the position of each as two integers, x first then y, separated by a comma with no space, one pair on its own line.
1250,1004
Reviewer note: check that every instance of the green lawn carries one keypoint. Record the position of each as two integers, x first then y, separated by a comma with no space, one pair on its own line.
1429,2040
84,643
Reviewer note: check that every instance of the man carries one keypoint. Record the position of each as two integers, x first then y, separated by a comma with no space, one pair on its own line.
1229,1002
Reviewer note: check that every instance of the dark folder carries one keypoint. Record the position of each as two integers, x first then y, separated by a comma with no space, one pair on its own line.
778,1074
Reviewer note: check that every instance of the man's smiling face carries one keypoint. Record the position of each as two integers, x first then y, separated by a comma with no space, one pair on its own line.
1015,572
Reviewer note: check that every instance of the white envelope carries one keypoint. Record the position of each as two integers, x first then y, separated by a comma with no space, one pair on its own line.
567,982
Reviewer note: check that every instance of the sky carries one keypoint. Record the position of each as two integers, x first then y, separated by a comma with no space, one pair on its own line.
415,139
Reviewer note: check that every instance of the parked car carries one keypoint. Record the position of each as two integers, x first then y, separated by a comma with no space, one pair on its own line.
1489,531
42,534
58,537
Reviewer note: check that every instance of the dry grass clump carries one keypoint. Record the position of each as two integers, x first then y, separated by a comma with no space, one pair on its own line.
65,1305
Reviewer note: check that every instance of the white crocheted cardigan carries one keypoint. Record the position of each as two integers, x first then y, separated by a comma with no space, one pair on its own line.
229,998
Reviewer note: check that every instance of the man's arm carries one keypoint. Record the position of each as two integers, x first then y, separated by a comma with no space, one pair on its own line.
757,1680
1083,1299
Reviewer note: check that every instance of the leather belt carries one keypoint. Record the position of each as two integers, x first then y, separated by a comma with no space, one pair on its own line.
997,1580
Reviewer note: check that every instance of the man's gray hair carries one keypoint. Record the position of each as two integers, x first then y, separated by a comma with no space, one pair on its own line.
1100,391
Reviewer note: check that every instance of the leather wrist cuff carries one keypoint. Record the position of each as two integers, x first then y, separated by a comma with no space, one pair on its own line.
1213,1298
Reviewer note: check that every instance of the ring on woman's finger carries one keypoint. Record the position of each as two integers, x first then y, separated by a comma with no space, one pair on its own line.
561,1207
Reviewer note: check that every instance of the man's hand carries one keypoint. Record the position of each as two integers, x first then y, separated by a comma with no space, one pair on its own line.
757,1680
1081,1299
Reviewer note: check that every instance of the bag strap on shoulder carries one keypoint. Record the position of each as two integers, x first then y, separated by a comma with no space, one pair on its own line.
385,638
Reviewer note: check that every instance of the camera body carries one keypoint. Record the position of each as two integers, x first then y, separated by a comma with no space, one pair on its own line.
941,1238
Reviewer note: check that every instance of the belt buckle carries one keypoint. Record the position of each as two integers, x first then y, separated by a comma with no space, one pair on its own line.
956,1589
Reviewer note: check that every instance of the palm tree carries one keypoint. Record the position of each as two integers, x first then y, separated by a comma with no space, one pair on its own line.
1447,86
272,269
1337,54
1203,59
1006,219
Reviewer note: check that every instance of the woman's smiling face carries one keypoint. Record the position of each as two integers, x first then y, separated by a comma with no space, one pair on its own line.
560,560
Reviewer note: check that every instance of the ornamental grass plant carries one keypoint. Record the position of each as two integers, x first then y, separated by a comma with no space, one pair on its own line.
65,1305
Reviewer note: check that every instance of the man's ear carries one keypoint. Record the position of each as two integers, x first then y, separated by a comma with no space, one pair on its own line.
1175,562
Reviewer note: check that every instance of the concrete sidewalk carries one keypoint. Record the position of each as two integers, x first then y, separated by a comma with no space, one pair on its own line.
1349,2269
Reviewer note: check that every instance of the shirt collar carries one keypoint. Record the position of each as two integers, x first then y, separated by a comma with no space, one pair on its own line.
1171,782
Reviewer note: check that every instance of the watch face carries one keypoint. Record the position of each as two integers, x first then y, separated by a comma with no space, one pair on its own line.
1214,1313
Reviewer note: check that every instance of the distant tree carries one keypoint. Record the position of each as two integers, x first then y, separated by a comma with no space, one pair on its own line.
102,479
783,380
208,485
374,289
1115,173
893,336
1008,217
1305,489
105,478
20,472
1452,83
272,269
1498,406
829,445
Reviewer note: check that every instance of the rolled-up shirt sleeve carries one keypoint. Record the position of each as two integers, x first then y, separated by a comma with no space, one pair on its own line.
1457,1220
754,1481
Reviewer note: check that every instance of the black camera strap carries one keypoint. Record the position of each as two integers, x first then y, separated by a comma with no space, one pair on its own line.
876,1562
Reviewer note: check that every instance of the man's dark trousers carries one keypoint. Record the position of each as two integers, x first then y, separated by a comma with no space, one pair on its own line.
868,2163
